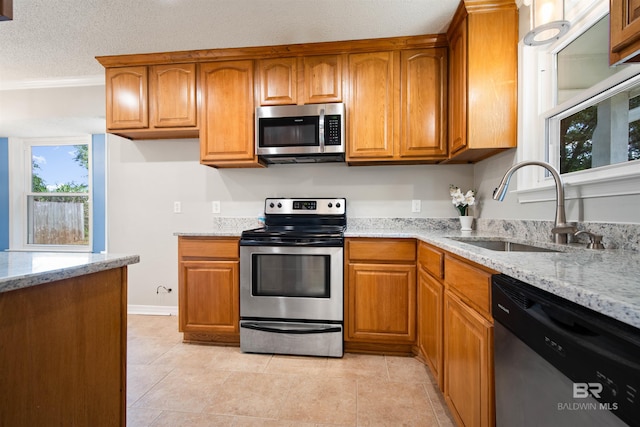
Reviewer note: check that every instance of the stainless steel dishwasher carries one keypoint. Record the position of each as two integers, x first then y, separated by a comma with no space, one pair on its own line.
560,364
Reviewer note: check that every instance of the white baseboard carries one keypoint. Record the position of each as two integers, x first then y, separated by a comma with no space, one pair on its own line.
153,310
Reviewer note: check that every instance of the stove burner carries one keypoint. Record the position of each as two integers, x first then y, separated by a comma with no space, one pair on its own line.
300,222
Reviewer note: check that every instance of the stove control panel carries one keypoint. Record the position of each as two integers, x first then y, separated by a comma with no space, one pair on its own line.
303,206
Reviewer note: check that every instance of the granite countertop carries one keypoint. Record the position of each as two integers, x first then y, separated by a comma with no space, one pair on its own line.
23,269
606,281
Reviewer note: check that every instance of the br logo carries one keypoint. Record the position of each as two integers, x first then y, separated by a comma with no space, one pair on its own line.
583,390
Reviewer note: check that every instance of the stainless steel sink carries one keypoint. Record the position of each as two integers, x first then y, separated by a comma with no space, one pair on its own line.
503,245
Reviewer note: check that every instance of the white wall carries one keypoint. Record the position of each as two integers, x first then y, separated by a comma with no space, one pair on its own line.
146,177
489,172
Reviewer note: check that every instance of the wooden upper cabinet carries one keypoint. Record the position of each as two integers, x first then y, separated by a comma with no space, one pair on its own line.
624,28
227,122
322,78
172,95
152,102
278,81
372,107
458,89
397,106
301,80
423,100
483,62
126,94
409,100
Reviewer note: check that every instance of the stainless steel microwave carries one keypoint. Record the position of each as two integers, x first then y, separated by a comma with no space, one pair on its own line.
301,133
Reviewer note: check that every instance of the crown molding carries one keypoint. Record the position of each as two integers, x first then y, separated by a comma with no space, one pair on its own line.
53,83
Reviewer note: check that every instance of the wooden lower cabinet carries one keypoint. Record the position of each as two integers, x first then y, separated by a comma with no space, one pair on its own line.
380,295
63,352
468,364
209,303
430,307
430,334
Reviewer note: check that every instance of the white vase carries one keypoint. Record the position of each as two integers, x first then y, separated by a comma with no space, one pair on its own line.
466,222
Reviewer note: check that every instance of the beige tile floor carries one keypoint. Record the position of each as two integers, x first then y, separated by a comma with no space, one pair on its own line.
175,384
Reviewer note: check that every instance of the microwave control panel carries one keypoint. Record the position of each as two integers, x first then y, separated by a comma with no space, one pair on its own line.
332,130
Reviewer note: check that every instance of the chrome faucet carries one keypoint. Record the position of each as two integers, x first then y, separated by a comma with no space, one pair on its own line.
561,228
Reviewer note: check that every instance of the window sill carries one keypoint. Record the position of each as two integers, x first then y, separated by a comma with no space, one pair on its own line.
614,180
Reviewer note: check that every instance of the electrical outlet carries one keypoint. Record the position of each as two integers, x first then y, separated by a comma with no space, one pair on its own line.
215,207
177,207
416,206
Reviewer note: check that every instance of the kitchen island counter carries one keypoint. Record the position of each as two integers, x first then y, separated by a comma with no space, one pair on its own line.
63,338
24,269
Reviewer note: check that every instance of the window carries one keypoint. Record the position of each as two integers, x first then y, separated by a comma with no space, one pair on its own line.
52,206
603,130
586,112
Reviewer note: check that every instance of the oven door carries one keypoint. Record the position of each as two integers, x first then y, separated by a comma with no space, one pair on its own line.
291,283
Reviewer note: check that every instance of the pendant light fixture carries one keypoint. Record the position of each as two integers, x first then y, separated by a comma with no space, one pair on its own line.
547,22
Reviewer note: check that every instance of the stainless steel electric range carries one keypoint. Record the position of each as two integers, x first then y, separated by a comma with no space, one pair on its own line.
291,279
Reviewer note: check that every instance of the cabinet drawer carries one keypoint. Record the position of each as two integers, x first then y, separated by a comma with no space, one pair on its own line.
431,259
385,250
471,283
207,247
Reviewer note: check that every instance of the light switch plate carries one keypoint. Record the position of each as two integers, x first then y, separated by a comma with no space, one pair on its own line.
416,206
215,207
177,207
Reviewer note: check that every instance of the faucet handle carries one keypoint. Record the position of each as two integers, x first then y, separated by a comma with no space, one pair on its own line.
564,229
595,240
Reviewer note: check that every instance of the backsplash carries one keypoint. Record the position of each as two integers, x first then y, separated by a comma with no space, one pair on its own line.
615,235
359,224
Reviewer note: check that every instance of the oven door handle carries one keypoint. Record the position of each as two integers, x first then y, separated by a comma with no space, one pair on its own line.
287,330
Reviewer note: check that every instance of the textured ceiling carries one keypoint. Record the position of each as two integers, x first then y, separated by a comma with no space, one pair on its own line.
50,40
47,53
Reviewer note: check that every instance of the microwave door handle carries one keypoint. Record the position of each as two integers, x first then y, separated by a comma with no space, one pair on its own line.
321,130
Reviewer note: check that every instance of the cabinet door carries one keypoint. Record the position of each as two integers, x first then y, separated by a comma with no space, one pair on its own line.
625,29
226,131
278,81
209,300
423,116
322,79
430,302
126,92
468,364
372,105
458,88
381,303
172,95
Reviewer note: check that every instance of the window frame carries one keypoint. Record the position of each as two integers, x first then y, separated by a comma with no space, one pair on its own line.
20,189
538,131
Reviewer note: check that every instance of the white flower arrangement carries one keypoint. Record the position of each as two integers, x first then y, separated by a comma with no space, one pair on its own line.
462,201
